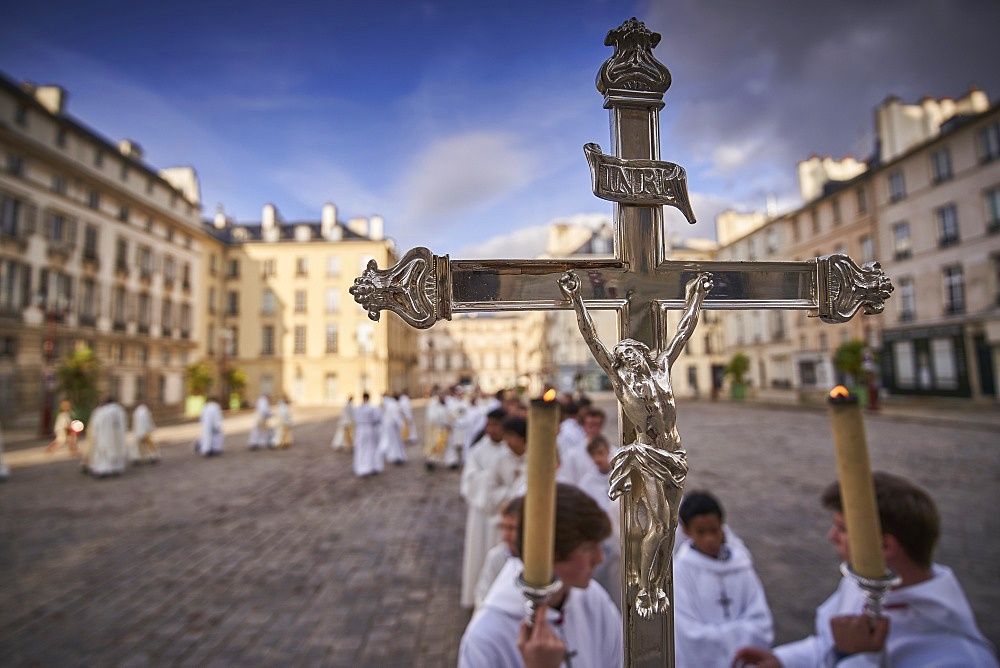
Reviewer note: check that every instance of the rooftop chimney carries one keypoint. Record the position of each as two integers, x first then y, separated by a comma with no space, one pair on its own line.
53,98
130,149
328,221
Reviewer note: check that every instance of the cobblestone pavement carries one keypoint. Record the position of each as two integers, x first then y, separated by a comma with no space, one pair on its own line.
276,558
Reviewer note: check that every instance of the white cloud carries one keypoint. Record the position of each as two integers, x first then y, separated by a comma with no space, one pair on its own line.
527,242
460,173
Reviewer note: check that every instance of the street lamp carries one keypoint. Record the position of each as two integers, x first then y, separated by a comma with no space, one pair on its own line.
54,311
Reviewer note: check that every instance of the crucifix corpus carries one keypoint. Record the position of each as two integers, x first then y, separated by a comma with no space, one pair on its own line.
639,284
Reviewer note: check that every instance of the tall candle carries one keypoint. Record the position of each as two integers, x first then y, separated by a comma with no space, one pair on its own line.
540,500
857,491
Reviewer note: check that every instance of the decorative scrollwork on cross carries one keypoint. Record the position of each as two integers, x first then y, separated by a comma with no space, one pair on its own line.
851,288
632,66
409,288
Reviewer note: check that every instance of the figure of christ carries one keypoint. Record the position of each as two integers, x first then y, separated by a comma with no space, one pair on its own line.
649,472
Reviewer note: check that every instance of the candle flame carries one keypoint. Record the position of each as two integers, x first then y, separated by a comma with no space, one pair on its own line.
550,395
839,392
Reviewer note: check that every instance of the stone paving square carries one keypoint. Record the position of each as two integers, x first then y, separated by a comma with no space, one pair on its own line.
284,558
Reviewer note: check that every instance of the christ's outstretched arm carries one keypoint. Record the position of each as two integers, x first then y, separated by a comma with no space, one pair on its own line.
569,283
695,292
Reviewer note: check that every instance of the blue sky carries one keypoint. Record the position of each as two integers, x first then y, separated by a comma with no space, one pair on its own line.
462,123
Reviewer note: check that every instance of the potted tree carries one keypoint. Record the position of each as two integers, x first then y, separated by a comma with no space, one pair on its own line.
199,383
737,369
236,381
78,375
849,361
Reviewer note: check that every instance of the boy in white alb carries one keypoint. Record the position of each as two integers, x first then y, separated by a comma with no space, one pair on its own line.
720,602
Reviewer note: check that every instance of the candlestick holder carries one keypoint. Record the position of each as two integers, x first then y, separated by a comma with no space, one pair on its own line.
874,588
535,596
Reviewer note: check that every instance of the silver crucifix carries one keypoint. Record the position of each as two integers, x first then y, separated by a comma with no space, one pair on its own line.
639,284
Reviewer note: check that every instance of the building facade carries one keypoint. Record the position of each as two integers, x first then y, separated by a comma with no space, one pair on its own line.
279,310
927,206
97,250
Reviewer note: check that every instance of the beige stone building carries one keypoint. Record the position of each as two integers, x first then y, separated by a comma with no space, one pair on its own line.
278,309
927,207
97,249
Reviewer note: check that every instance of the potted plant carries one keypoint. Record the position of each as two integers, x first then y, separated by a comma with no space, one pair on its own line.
199,383
78,376
737,369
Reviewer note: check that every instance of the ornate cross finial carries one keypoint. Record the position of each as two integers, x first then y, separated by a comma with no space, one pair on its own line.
633,66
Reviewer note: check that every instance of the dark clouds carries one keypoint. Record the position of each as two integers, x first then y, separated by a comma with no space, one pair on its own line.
760,85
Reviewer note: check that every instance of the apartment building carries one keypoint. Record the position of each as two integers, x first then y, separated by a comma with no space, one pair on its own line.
97,249
278,308
926,206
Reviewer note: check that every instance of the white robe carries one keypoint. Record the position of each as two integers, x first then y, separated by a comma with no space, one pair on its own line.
609,573
478,487
574,462
260,435
438,431
282,437
457,409
591,626
212,438
367,459
108,450
390,444
930,624
411,427
343,436
142,427
492,565
719,607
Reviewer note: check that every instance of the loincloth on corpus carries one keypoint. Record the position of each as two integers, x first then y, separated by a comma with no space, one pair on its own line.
646,460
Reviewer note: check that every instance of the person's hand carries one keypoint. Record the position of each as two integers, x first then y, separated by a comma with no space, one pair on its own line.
538,644
569,283
755,656
857,633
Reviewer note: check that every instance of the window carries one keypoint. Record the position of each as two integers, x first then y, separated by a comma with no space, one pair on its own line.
941,165
94,199
954,289
59,229
903,358
185,320
943,363
166,317
144,313
301,266
59,184
124,172
333,266
996,279
907,300
300,301
992,201
901,242
988,144
268,268
752,249
10,217
332,300
331,338
268,302
144,260
90,238
15,165
21,115
796,232
835,207
121,255
777,326
232,303
118,308
947,217
267,340
169,271
867,248
98,158
814,218
862,201
233,270
366,338
186,276
211,300
61,137
897,186
213,264
300,339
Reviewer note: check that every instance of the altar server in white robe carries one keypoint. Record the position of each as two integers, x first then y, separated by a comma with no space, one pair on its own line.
343,435
719,601
574,462
107,451
482,489
438,430
367,424
261,433
142,447
283,434
410,429
458,406
212,438
390,444
581,614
